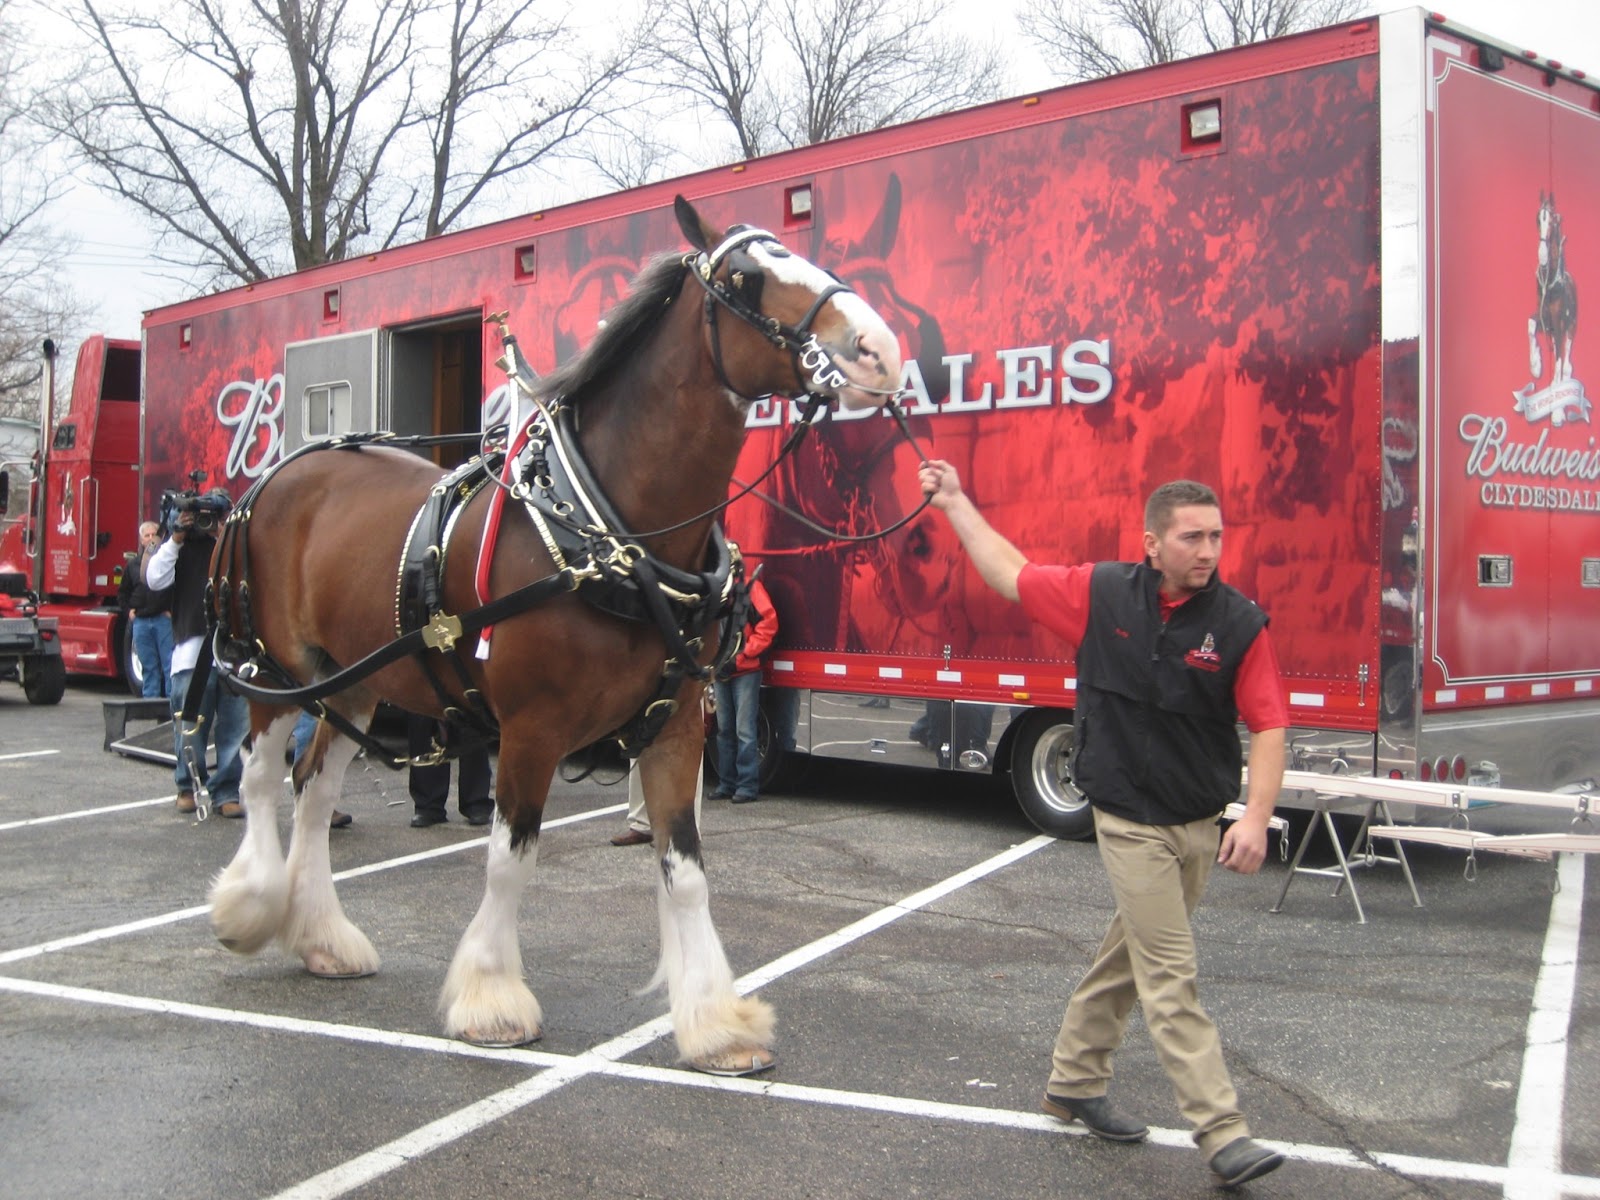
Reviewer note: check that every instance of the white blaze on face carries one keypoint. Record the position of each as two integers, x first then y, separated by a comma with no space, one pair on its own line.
868,352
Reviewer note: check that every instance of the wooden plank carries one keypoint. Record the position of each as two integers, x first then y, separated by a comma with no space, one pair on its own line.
1435,795
1457,839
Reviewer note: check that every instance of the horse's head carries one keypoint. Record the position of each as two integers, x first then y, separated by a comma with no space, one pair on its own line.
798,329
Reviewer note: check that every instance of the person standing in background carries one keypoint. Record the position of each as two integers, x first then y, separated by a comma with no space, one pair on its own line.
738,702
149,616
430,785
183,563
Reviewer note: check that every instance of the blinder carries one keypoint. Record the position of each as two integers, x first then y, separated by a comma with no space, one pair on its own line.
740,294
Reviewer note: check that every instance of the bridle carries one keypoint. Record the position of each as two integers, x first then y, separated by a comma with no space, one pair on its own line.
814,368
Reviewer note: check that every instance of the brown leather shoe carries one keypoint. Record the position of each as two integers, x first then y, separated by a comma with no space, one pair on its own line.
186,802
633,837
232,809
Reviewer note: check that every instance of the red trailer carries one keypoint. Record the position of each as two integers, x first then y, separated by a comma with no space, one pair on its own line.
1334,275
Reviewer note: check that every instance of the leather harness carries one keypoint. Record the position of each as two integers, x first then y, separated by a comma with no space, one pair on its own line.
593,556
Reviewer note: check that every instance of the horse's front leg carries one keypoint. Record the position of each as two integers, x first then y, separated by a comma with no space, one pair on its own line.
250,897
315,927
718,1030
485,1000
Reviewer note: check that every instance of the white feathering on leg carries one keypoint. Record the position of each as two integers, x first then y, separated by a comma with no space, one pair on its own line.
708,1016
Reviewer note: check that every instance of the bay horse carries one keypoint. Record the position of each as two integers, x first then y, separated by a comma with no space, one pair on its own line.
1556,312
657,405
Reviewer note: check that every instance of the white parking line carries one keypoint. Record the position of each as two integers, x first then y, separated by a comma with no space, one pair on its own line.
1536,1138
27,754
1533,1169
184,914
560,1069
79,814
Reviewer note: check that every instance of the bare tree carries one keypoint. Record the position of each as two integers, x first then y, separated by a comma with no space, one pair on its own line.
865,64
804,71
260,135
713,51
34,303
1086,39
631,154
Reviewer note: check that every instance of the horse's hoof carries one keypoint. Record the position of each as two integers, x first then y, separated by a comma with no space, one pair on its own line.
499,1039
735,1062
325,966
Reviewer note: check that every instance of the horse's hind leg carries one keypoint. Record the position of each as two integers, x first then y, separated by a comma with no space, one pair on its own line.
718,1030
315,927
250,898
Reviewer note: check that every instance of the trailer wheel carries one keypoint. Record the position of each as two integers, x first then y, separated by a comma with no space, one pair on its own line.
1040,753
44,679
132,669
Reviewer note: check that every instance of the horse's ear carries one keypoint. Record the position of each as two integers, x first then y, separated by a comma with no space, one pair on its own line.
880,238
689,221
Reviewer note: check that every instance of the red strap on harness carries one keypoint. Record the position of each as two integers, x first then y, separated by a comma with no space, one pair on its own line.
491,528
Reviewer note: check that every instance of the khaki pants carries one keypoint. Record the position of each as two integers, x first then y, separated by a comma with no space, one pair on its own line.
1158,873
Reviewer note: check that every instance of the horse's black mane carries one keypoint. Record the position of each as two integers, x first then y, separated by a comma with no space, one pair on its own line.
626,325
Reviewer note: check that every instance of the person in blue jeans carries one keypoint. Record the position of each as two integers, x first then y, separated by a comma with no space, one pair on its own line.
149,621
739,704
183,563
299,739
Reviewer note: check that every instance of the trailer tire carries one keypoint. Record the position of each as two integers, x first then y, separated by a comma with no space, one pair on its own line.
1040,753
44,679
132,670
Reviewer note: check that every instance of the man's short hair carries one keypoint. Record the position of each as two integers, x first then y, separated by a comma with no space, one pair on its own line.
1180,493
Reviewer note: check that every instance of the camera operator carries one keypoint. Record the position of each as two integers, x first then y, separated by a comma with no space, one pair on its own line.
149,618
183,563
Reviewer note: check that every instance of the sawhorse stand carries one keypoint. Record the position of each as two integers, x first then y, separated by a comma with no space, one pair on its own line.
1361,852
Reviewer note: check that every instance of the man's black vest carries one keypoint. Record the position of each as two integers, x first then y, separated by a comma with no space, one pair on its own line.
1156,725
142,600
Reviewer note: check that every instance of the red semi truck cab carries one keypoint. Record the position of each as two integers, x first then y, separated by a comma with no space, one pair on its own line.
68,529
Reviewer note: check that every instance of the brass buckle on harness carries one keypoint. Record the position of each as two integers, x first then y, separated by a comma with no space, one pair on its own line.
441,632
432,758
620,556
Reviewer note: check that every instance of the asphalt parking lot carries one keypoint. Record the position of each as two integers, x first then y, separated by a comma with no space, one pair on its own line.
915,936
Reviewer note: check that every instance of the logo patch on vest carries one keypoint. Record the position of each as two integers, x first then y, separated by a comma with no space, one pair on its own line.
1206,658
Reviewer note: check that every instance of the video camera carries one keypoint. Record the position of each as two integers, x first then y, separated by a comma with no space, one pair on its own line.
210,509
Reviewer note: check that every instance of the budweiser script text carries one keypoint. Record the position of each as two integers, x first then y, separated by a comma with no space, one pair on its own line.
1492,456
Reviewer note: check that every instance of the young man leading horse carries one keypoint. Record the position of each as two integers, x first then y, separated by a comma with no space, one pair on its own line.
1169,658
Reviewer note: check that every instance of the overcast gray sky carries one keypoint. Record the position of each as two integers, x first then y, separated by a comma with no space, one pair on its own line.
112,265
